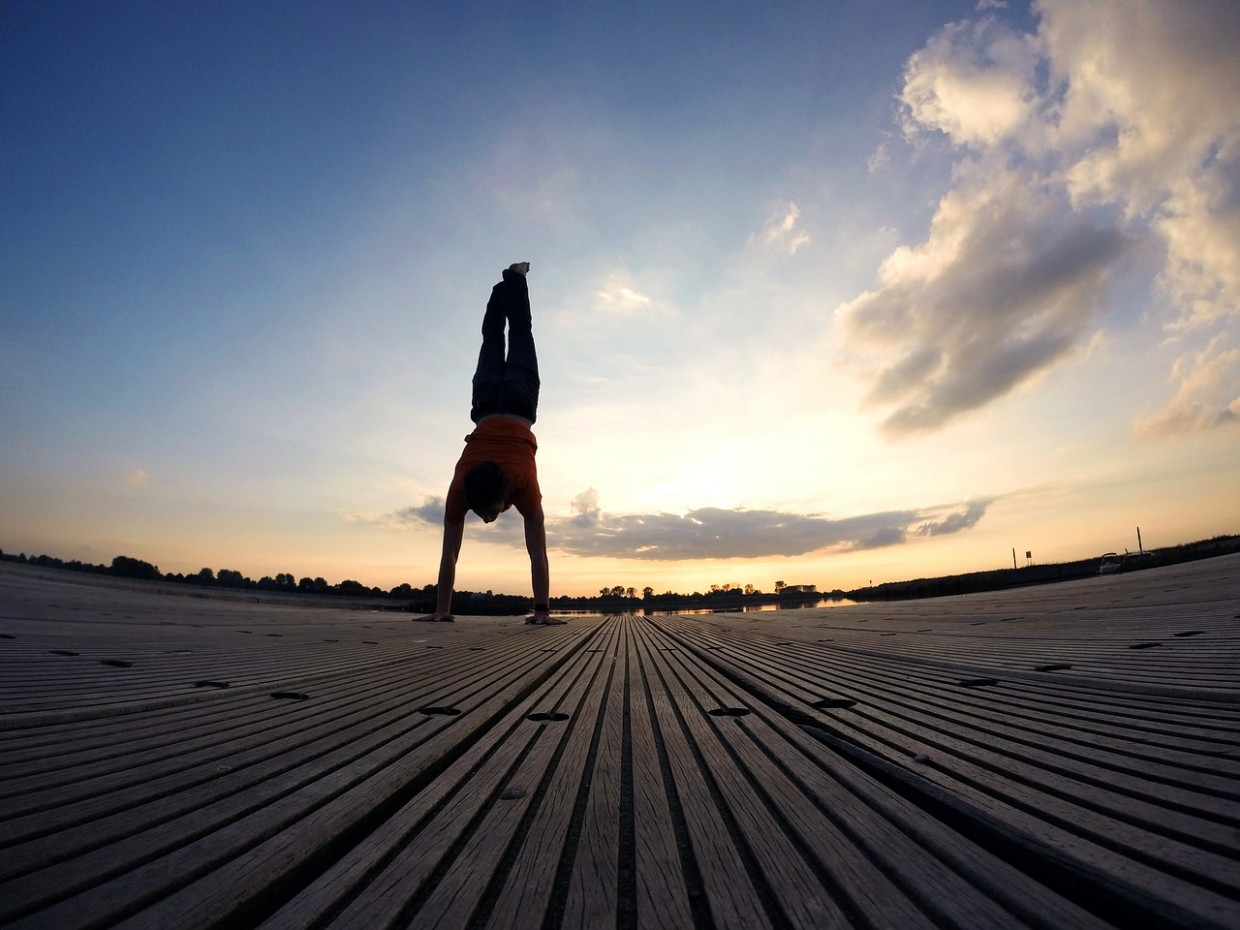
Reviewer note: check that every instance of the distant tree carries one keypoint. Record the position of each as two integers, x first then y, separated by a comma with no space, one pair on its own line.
352,588
779,586
205,576
127,567
617,591
749,589
647,592
228,578
630,593
306,586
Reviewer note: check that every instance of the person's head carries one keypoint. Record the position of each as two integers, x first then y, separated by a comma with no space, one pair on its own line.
484,488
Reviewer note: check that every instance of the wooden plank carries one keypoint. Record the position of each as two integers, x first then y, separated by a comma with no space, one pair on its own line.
667,895
898,731
350,779
725,873
371,883
1179,781
550,842
852,853
192,775
434,852
602,850
1102,794
797,893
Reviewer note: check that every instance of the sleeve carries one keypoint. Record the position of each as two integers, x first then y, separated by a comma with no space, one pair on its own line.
529,495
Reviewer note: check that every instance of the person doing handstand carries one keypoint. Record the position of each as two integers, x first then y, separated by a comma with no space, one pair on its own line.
497,470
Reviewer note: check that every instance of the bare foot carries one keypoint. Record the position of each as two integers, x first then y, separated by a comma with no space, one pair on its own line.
434,618
545,620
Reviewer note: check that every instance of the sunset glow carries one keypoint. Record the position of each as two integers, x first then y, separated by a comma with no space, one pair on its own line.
824,294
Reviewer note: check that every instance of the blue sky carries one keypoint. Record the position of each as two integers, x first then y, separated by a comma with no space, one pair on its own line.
823,292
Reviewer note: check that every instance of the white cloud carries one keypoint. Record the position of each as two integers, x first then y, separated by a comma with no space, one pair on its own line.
880,160
973,81
1116,124
1200,223
585,508
1207,396
1145,91
624,297
782,231
1150,120
618,295
1006,284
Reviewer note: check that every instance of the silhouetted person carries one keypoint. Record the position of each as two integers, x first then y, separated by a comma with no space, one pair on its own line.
497,470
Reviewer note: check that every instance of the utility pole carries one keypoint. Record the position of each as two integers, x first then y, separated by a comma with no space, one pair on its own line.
1013,557
1140,548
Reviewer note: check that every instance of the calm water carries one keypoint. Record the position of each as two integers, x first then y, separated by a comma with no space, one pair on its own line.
758,608
750,608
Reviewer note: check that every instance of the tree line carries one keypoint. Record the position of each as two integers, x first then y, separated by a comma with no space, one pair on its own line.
612,599
621,598
124,566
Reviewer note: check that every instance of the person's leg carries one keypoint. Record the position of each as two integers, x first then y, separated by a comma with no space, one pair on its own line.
521,378
488,382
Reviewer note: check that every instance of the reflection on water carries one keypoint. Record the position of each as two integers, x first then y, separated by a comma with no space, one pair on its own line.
735,609
754,608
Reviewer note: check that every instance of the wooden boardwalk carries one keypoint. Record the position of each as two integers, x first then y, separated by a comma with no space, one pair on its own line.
1060,756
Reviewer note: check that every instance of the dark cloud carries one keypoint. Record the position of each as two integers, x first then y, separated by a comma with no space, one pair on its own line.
715,533
1008,284
431,511
955,522
719,533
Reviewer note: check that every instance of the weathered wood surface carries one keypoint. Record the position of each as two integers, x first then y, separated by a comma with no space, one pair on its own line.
1059,756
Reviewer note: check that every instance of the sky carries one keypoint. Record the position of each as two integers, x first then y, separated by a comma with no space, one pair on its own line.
824,293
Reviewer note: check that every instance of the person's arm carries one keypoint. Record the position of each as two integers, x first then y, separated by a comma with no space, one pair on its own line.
540,573
453,533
